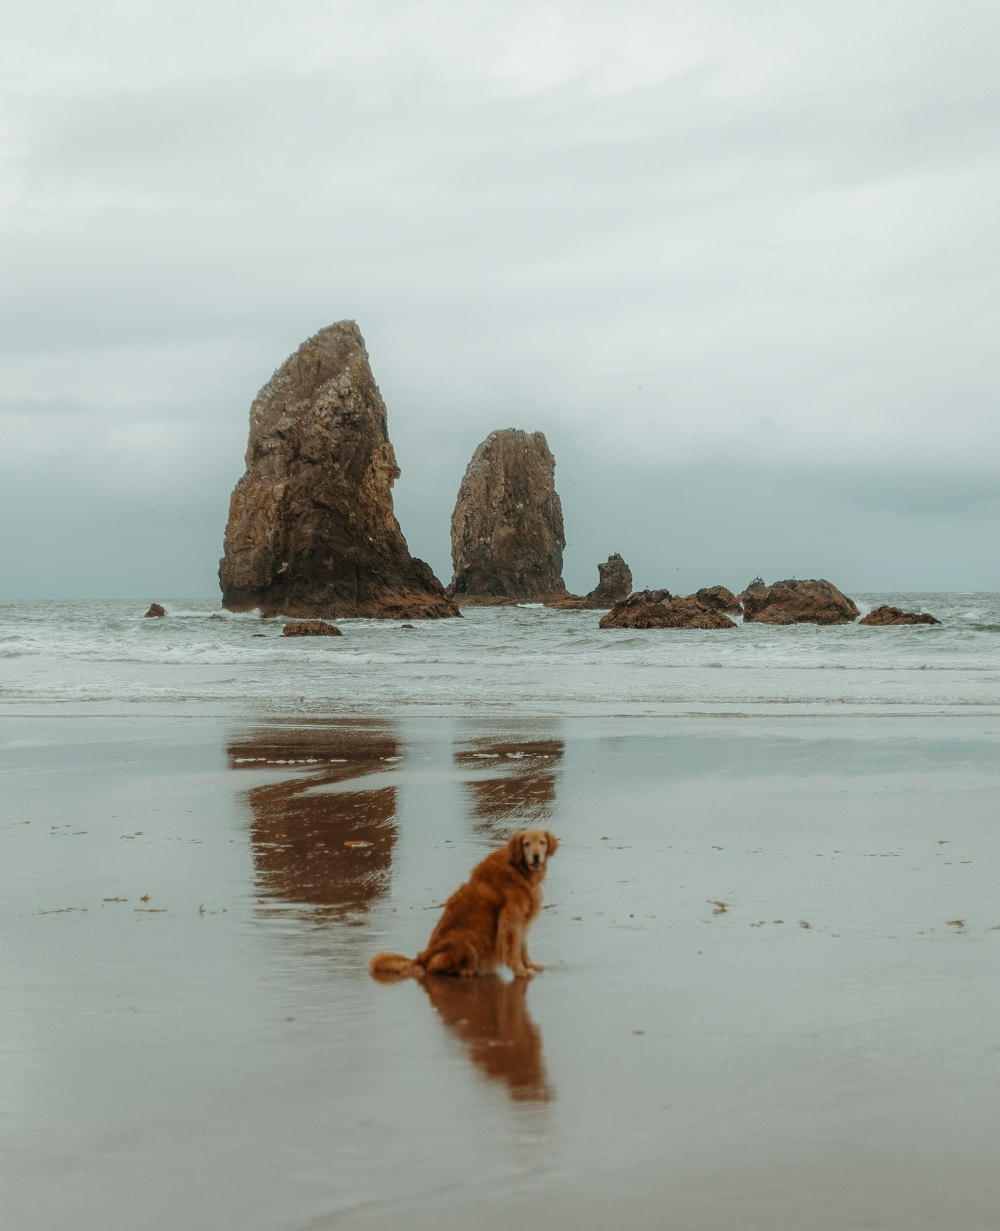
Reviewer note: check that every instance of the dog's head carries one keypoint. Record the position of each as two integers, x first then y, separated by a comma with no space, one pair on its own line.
531,849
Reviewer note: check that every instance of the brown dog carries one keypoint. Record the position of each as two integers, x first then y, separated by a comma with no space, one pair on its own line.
485,923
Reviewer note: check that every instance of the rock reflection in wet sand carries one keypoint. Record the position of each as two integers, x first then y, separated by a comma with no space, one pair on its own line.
525,783
330,852
490,1017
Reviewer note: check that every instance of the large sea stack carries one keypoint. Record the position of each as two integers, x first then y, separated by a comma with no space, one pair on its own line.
311,528
507,535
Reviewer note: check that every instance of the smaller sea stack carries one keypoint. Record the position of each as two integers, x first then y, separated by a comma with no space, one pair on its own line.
507,535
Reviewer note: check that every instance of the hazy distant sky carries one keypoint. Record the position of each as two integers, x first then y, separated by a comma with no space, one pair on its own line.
738,261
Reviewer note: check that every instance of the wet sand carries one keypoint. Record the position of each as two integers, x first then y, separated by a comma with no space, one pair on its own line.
771,996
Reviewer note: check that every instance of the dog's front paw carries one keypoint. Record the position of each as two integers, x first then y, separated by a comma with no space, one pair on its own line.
523,972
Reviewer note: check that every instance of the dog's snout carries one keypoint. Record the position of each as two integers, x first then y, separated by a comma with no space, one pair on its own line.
534,851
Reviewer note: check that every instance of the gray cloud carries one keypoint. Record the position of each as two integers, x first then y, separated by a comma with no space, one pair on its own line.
690,243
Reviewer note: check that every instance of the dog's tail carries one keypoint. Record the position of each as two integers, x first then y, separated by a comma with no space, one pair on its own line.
392,966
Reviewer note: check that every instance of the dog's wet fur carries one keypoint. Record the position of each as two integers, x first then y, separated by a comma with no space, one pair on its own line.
485,923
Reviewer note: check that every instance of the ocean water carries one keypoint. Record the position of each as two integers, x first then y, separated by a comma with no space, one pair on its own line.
106,657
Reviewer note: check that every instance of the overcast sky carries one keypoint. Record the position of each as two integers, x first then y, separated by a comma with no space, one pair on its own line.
738,262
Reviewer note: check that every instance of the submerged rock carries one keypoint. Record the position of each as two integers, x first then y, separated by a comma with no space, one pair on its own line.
311,529
796,602
661,609
311,628
895,615
507,535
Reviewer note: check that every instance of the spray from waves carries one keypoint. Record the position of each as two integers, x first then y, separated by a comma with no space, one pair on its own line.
495,658
200,613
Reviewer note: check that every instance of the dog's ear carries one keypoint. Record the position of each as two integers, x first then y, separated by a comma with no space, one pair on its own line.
553,844
516,848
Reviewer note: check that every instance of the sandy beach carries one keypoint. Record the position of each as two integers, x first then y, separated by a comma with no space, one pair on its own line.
770,999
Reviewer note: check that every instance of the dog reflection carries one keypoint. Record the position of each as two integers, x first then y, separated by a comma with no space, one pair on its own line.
490,1016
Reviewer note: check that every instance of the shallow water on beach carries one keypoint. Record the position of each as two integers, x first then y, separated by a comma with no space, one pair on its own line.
770,998
770,935
106,656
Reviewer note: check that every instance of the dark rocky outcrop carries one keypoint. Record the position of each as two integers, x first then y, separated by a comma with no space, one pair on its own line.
311,628
757,586
661,609
155,612
615,584
719,599
796,602
507,535
311,529
881,616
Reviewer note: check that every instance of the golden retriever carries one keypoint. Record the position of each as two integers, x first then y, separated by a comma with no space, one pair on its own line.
485,923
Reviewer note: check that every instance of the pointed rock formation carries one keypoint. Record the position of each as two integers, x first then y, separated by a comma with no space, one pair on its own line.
507,528
615,582
796,602
311,529
614,585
